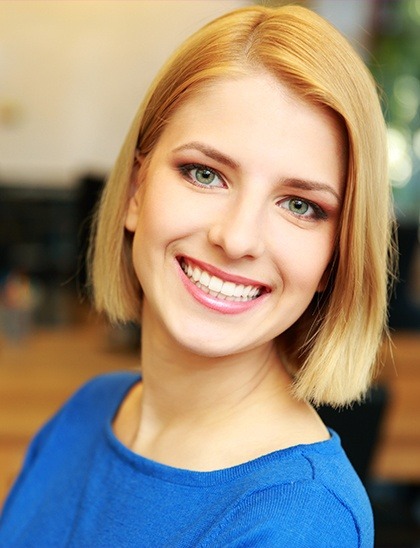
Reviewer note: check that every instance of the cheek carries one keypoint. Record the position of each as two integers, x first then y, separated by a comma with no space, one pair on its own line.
163,215
171,211
303,258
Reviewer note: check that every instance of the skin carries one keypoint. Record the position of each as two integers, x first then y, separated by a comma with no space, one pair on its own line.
247,181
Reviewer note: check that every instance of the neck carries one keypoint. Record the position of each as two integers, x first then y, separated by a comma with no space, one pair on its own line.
182,386
203,413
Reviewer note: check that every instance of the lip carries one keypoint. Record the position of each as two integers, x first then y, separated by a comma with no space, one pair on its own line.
216,304
224,275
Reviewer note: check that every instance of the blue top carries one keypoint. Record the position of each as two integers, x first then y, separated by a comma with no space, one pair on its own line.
81,487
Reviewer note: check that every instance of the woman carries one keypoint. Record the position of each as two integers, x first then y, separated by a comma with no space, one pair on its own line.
246,226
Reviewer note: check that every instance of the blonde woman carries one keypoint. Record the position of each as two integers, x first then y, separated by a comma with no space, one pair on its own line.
246,227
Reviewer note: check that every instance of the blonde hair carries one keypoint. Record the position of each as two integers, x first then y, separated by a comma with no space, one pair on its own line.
333,347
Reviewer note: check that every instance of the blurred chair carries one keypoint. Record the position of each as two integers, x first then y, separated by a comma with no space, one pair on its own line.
359,427
404,312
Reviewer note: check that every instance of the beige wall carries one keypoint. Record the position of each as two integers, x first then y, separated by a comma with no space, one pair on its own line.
72,74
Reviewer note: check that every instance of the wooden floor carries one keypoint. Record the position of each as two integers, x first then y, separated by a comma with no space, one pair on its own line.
42,371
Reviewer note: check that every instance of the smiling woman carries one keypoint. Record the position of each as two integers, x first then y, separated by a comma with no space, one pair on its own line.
245,223
237,228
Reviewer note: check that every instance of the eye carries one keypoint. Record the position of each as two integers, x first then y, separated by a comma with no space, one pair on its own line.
303,209
202,176
298,206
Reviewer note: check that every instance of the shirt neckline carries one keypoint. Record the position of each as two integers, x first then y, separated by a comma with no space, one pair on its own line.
185,476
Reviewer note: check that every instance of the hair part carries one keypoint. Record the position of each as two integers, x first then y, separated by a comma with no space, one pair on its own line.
332,349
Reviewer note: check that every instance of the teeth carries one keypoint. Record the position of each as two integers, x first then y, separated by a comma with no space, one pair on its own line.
204,278
215,284
254,291
239,289
228,289
247,291
218,288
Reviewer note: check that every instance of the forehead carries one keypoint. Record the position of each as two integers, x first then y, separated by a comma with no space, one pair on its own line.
257,117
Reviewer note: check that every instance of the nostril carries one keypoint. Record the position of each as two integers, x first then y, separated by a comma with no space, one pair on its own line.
237,239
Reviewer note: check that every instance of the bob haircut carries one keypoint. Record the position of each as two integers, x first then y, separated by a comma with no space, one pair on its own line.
332,349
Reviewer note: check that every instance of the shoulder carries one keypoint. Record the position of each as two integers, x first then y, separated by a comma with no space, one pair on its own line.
297,515
308,496
100,396
111,386
95,403
88,410
68,439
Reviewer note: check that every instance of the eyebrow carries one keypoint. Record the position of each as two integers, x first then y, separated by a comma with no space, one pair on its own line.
210,152
294,182
304,184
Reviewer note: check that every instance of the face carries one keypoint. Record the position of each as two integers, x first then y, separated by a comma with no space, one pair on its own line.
236,215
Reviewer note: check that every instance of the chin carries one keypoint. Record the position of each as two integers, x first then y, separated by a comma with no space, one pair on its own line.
207,348
212,346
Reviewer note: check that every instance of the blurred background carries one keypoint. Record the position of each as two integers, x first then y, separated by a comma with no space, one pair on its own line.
71,77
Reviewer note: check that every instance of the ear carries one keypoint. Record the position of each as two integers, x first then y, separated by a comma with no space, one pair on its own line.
133,206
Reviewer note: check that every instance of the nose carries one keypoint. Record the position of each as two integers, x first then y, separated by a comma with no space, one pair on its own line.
238,230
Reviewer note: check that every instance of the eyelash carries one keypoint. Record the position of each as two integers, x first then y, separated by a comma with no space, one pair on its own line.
187,169
318,212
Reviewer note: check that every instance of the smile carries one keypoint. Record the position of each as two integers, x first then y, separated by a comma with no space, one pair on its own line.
217,287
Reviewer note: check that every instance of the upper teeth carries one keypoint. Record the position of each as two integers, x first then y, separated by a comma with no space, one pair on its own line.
219,288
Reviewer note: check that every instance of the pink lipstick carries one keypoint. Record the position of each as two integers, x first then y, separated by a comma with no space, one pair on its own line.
220,291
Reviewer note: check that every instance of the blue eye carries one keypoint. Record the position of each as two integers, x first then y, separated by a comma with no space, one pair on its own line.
201,175
303,209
